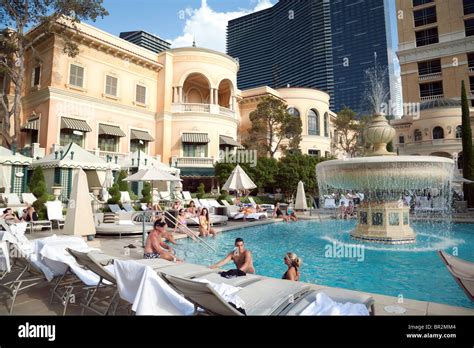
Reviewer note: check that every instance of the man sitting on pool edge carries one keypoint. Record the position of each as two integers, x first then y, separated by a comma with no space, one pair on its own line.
241,257
155,248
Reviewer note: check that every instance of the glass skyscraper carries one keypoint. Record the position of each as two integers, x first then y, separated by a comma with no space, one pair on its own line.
319,44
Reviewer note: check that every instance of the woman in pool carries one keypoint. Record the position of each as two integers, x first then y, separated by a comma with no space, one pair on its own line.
293,263
205,224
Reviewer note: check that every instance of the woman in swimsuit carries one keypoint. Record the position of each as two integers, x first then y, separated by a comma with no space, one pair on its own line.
192,211
278,213
293,263
205,224
181,223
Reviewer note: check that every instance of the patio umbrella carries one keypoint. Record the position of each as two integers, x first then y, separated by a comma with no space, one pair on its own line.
151,175
300,203
238,181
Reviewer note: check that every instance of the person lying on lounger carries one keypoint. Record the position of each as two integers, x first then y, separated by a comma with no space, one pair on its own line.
192,210
241,257
155,248
9,216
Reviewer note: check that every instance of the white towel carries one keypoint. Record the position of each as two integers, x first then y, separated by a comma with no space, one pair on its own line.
152,296
326,306
227,292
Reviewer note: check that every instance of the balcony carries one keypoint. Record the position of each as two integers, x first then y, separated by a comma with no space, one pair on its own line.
471,69
432,97
432,76
110,155
193,162
431,142
182,108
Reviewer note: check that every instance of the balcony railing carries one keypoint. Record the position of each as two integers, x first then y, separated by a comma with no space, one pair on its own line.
471,69
194,161
432,76
432,97
431,142
111,155
202,108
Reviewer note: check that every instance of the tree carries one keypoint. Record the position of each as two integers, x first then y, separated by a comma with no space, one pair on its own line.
123,185
37,187
201,191
115,195
45,16
146,193
264,173
348,130
273,128
467,150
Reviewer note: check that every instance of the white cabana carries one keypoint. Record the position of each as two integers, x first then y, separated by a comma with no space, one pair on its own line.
238,181
300,202
13,167
61,165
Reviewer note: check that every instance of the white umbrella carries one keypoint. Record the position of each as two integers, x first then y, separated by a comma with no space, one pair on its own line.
238,181
458,179
301,203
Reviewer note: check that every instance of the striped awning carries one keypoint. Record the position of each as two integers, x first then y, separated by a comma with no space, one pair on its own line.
75,124
32,124
107,129
195,138
225,140
141,135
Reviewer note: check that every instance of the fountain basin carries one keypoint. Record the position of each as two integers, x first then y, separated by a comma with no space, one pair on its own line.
393,173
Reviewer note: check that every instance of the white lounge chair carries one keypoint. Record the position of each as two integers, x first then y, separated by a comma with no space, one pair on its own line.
28,198
329,203
232,210
265,206
115,208
125,197
187,196
12,200
165,196
462,271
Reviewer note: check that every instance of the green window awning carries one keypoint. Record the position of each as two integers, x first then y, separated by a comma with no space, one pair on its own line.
32,124
75,124
111,130
225,140
140,135
195,138
197,172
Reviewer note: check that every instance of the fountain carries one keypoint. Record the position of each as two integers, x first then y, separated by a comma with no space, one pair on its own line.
385,178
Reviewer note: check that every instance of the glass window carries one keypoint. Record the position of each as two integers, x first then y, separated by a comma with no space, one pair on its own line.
425,16
67,136
108,143
401,139
141,94
438,133
421,2
458,132
326,124
313,122
294,112
431,89
427,37
111,85
136,144
314,153
76,77
36,75
429,67
469,27
468,6
471,83
470,60
194,150
418,135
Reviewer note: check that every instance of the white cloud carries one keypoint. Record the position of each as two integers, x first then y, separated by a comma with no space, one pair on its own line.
208,26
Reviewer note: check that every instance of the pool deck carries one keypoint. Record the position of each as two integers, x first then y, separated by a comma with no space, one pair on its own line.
36,301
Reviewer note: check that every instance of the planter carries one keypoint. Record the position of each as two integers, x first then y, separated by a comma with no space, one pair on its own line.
56,191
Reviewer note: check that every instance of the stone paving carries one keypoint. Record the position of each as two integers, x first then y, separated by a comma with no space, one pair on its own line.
36,301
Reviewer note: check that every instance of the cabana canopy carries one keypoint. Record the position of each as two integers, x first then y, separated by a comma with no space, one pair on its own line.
146,162
7,157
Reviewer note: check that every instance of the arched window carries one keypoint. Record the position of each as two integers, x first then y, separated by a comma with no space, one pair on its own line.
418,136
326,124
294,112
438,133
458,132
313,122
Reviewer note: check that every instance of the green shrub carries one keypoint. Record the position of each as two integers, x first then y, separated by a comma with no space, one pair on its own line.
146,192
37,186
201,191
223,196
122,185
115,196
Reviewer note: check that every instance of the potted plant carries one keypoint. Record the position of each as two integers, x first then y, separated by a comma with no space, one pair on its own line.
57,188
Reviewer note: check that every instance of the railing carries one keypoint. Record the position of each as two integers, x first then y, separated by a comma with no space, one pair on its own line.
430,76
202,108
432,97
471,69
206,161
112,155
431,142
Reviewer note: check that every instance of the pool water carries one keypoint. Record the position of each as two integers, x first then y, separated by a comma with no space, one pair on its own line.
408,271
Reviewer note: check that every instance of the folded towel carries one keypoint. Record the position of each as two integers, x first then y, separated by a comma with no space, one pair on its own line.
326,306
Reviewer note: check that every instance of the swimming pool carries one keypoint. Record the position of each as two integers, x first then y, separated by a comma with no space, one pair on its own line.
331,258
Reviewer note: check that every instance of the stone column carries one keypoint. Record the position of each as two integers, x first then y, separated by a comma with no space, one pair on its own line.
211,96
180,93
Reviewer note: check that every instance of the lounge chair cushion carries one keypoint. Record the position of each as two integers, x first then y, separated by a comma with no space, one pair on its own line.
110,218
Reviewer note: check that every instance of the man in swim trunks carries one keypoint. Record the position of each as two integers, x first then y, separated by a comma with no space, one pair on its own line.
155,248
241,257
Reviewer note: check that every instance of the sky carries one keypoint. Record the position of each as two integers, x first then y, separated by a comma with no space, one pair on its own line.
178,21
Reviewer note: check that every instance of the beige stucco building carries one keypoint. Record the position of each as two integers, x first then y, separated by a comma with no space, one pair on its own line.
181,105
436,53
